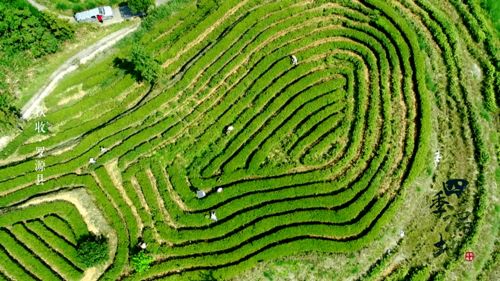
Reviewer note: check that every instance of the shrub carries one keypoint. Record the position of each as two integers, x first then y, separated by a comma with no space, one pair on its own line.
140,6
141,261
92,250
145,67
36,32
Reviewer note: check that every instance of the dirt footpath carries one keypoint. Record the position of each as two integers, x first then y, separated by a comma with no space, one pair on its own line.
71,65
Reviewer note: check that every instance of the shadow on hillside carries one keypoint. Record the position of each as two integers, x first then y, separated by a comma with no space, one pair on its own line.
127,66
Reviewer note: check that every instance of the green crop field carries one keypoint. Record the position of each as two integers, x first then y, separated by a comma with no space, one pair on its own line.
327,168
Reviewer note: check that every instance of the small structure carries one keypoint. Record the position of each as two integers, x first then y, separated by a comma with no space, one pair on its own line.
92,161
219,190
213,216
401,234
200,194
229,129
103,149
96,14
294,60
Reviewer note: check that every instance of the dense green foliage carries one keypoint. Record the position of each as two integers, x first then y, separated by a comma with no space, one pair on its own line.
141,261
22,28
92,250
144,65
140,6
9,114
25,34
493,8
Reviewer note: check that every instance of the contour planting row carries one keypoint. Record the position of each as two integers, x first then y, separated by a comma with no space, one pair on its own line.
314,147
386,168
278,198
30,246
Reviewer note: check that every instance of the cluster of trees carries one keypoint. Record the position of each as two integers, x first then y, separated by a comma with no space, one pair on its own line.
144,64
25,34
9,114
22,28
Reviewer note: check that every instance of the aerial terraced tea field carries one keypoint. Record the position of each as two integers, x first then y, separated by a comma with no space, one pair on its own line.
276,131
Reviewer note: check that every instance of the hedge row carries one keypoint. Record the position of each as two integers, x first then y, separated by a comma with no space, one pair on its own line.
26,258
56,242
53,259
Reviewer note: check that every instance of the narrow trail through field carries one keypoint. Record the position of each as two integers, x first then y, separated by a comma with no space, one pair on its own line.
116,177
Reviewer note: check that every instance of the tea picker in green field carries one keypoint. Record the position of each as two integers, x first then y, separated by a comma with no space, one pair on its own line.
200,194
213,216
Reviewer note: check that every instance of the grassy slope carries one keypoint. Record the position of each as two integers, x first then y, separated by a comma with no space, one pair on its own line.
36,75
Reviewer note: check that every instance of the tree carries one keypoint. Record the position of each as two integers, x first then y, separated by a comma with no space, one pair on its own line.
92,250
144,65
22,28
60,28
141,261
140,6
9,114
25,35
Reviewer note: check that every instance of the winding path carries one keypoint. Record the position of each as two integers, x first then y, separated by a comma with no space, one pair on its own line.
41,7
71,65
